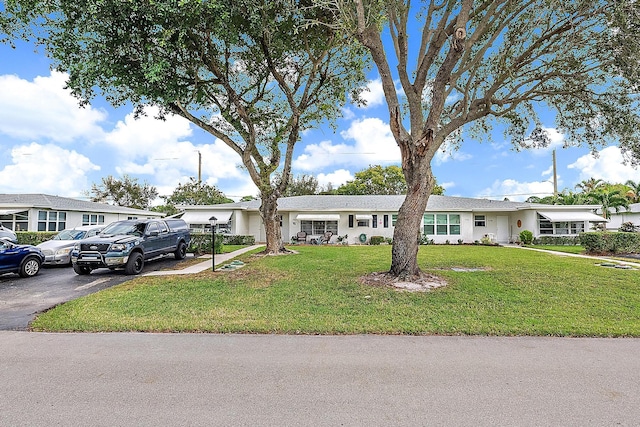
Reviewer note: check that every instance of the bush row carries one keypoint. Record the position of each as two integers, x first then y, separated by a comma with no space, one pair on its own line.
201,243
34,237
557,240
610,242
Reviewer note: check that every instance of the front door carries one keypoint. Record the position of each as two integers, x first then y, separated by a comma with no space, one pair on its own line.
502,235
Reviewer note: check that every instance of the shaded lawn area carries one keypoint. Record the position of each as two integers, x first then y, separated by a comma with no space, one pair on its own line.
317,291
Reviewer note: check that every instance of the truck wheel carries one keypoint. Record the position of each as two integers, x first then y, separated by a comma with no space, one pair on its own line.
135,264
30,267
81,269
181,252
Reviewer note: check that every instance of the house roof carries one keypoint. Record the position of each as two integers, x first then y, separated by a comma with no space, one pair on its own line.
45,201
382,203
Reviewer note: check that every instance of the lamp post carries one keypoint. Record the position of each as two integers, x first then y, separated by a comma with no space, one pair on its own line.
213,221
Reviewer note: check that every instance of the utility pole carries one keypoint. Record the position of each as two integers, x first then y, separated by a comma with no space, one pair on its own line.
200,166
555,176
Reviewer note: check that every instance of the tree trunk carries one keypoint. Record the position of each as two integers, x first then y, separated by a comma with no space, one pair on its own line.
406,235
271,221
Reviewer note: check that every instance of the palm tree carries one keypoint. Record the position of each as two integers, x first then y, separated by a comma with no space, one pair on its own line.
570,198
634,191
609,200
590,185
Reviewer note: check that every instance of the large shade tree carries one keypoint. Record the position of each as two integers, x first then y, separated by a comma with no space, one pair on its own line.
246,71
454,67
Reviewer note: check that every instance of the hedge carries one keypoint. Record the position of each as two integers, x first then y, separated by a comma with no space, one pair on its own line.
557,240
201,243
610,242
34,237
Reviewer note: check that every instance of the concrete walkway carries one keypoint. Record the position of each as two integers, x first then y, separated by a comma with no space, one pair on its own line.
206,264
599,258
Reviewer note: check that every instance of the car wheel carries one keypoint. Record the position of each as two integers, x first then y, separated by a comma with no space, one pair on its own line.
135,264
30,267
81,269
181,252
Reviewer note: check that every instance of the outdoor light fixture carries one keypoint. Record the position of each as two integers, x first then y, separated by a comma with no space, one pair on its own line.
213,221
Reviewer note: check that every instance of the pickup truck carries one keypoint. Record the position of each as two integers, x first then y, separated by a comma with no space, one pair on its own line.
128,244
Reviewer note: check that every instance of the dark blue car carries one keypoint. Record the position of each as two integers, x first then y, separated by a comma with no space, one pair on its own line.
22,259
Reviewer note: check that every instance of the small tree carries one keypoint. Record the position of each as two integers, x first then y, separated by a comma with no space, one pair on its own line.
123,192
379,180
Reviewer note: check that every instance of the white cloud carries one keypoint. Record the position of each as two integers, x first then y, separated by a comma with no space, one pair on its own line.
556,140
448,185
148,146
335,178
44,109
373,95
446,153
515,190
372,144
46,169
608,166
137,138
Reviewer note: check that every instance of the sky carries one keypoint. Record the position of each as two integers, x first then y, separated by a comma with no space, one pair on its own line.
51,145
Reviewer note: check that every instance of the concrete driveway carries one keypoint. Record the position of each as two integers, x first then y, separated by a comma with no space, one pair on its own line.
257,380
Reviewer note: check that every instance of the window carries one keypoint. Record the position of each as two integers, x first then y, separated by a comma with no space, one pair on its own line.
92,219
17,222
441,224
363,223
319,227
559,228
454,224
480,221
374,221
52,221
394,219
385,221
428,221
351,218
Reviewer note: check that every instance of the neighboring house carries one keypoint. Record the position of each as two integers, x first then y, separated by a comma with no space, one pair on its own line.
42,212
360,217
625,215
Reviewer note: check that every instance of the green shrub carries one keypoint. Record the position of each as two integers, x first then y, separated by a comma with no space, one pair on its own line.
239,240
557,240
201,243
610,242
376,240
34,237
526,237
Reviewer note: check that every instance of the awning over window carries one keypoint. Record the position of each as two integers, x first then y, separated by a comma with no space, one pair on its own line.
364,217
564,216
11,211
202,217
318,217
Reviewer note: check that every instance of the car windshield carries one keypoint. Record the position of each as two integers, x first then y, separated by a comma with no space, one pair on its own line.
120,228
69,235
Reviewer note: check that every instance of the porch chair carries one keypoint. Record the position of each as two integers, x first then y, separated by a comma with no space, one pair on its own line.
300,236
326,237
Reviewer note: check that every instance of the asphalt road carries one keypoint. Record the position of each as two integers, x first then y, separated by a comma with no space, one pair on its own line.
22,298
258,380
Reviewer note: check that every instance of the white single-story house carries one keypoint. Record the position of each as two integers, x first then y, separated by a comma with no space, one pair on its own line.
42,212
625,215
446,218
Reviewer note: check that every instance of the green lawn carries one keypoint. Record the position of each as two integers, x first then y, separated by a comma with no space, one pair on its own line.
317,291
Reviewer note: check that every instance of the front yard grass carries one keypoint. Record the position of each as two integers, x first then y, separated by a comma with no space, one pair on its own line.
316,291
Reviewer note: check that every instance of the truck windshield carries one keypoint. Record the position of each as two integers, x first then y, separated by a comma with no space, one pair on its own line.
124,228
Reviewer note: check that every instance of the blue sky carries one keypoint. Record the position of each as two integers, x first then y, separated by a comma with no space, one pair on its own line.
48,144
